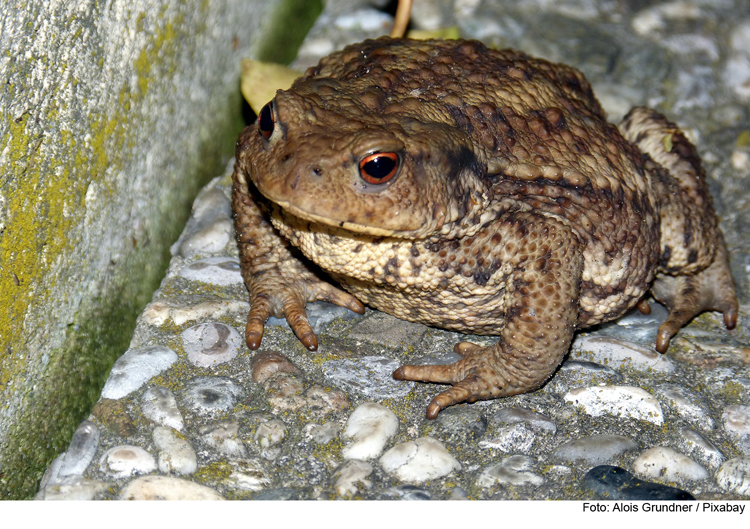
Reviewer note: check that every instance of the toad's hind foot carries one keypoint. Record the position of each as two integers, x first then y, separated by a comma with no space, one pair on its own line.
481,375
688,296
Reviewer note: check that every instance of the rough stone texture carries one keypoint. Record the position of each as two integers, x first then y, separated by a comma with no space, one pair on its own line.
112,114
708,371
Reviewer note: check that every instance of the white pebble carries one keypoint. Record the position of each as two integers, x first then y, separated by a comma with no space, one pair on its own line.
270,433
513,470
321,433
420,460
665,463
176,455
594,449
514,438
158,313
81,450
73,489
686,404
211,238
126,460
221,271
223,437
734,476
369,376
249,474
159,405
167,488
135,368
620,401
619,354
736,420
209,344
537,421
350,474
698,446
369,427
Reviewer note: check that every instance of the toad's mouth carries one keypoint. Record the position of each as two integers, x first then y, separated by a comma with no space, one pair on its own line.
290,209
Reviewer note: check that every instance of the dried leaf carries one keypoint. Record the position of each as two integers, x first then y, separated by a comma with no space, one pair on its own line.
261,80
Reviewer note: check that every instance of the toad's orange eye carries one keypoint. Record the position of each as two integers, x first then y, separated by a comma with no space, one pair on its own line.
378,168
266,120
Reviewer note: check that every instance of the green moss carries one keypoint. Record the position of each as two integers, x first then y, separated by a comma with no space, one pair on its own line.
286,28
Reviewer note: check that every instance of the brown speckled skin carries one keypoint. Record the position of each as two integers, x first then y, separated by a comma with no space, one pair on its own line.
517,210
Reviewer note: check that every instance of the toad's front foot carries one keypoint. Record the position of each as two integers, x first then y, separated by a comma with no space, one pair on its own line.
286,297
484,373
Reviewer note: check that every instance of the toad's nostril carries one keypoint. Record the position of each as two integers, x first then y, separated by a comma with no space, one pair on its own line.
317,171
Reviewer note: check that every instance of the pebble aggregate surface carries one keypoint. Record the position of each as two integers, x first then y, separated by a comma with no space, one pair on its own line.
188,412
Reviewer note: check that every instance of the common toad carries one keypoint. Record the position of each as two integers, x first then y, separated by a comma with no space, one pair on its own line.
475,190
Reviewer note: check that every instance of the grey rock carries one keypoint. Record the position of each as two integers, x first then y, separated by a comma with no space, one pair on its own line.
594,449
81,450
135,368
370,376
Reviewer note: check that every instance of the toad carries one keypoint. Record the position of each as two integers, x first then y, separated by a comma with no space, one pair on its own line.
478,191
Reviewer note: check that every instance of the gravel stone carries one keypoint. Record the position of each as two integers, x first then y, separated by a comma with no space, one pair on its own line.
594,449
513,470
159,405
537,421
369,376
209,344
615,483
620,401
351,476
686,404
420,460
221,271
176,455
734,476
665,463
514,438
135,368
211,395
369,428
619,354
700,448
224,438
167,488
80,451
126,460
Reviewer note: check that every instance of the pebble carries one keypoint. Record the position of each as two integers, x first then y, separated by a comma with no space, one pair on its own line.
686,404
594,449
514,438
513,470
368,429
321,434
73,488
284,393
420,460
665,463
459,424
211,395
167,488
581,373
270,433
81,450
734,476
351,476
176,455
135,368
209,344
159,405
406,493
210,238
736,420
384,329
319,314
536,421
220,271
320,401
370,376
701,448
224,438
619,401
614,483
158,313
267,364
126,460
619,354
249,474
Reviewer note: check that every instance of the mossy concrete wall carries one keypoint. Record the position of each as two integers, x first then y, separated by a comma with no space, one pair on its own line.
112,115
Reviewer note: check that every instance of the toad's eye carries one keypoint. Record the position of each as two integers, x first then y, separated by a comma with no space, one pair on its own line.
266,120
378,168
